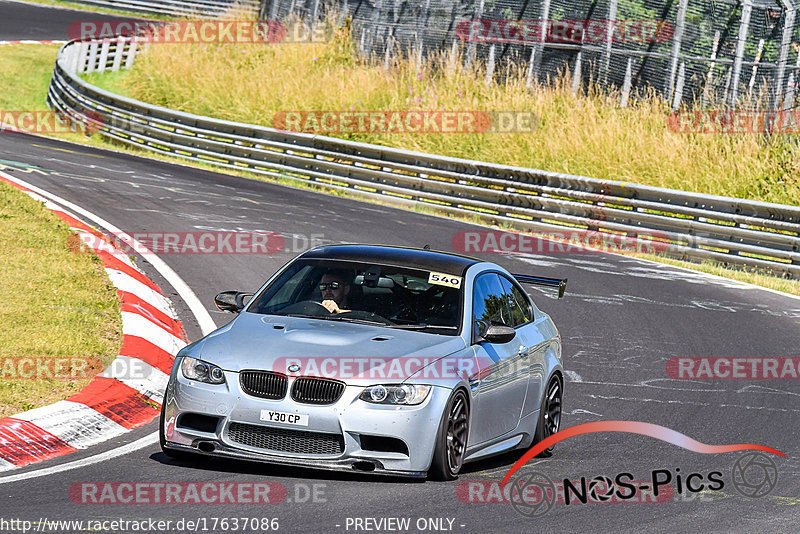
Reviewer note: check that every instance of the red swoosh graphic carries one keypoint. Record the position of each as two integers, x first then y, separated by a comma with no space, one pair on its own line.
634,427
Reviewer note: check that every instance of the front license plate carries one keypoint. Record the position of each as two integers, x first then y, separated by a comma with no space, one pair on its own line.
297,419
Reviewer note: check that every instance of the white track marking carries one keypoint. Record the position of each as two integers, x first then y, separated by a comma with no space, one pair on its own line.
573,376
73,423
134,324
200,313
578,411
139,375
140,443
127,283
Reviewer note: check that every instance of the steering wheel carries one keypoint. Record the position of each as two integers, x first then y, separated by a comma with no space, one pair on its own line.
306,307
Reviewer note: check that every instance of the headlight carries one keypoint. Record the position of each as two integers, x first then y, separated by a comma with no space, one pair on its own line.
405,394
202,372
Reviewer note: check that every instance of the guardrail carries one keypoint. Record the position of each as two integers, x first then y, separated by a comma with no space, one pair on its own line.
178,8
686,225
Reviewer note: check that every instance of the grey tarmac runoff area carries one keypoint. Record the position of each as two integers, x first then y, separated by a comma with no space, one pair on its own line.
622,320
24,21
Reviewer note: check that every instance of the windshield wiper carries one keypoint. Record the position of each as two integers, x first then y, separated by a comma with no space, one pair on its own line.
422,327
337,318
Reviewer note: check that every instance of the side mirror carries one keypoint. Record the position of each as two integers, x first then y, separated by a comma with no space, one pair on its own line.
499,334
483,331
231,301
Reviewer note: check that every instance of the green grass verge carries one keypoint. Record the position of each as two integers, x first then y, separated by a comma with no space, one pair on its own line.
56,303
38,65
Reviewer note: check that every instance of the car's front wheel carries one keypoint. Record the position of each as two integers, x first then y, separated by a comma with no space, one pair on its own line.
451,440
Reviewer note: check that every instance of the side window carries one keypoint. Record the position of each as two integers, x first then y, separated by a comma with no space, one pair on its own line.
489,303
521,312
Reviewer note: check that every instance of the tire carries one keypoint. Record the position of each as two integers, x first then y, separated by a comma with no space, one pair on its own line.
549,421
451,439
175,455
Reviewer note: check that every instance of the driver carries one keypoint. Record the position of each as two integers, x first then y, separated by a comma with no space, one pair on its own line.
335,287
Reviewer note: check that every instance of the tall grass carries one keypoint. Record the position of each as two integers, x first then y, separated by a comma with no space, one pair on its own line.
584,134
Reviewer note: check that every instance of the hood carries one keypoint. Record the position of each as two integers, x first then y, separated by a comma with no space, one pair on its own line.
354,353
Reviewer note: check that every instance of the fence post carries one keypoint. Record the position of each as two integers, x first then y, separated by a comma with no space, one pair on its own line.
451,60
611,25
726,92
529,76
422,25
710,75
543,27
789,98
471,51
131,53
92,63
677,39
264,9
490,65
387,53
373,31
788,101
755,67
677,96
101,65
576,75
747,9
626,84
75,58
786,41
118,53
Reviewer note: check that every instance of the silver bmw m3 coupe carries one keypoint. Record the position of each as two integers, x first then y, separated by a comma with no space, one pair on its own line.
371,358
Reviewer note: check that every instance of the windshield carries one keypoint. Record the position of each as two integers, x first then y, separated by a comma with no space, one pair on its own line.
384,295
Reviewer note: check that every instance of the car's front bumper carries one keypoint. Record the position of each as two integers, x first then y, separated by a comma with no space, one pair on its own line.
349,419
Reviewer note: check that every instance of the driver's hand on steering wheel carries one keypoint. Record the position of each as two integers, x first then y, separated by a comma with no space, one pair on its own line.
332,307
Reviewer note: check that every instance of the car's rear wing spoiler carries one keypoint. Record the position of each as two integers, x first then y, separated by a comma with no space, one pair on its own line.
560,283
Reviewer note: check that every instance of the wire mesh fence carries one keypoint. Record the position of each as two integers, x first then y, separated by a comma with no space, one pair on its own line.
711,53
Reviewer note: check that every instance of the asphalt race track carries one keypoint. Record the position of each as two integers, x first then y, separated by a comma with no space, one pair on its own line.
21,20
621,321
